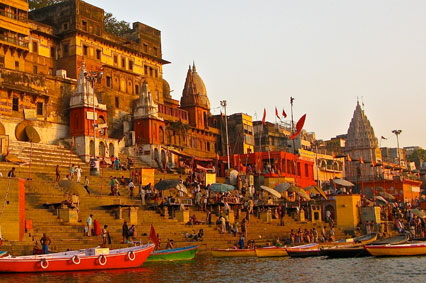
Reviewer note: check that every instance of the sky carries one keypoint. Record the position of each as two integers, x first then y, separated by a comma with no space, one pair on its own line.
326,54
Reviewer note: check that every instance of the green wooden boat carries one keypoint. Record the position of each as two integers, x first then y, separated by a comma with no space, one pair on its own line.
185,253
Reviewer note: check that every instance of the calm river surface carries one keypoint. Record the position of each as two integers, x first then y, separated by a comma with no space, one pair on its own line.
207,269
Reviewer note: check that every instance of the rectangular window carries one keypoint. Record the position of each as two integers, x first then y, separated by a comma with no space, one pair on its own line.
98,54
130,65
65,53
117,102
85,48
145,48
16,65
51,72
145,70
156,73
52,52
108,81
39,108
123,63
137,89
150,71
115,59
155,51
35,69
84,25
35,47
15,104
2,61
65,26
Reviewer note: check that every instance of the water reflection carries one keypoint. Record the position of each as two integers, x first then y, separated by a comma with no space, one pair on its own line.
208,269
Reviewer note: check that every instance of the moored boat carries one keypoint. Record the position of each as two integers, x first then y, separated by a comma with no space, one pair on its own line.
307,250
86,259
341,252
185,253
3,253
271,251
233,252
412,249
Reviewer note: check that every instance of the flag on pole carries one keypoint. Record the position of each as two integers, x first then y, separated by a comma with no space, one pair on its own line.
299,127
276,113
374,163
349,158
284,114
153,236
264,116
383,138
361,160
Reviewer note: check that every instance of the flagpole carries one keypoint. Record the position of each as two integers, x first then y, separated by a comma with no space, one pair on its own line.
223,104
294,144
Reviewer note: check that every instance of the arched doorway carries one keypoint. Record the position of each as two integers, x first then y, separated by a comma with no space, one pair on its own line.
163,158
111,150
92,148
102,149
156,155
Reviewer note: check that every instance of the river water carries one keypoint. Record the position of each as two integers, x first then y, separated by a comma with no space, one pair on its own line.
207,269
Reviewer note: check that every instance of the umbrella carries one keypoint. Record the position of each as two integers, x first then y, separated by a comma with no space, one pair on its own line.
167,184
182,188
387,195
282,187
419,213
316,190
303,194
343,182
271,191
221,188
380,198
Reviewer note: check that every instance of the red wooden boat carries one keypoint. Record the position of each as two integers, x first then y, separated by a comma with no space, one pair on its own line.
87,259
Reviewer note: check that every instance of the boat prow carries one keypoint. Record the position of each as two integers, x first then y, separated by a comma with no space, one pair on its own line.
411,249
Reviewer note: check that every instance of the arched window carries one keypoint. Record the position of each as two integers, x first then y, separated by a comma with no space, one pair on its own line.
92,148
111,150
161,134
102,149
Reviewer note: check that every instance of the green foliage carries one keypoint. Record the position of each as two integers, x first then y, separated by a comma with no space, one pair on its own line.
112,25
418,157
37,4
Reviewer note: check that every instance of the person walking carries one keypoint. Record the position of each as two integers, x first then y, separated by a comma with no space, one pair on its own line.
89,223
131,188
58,175
86,184
45,242
78,172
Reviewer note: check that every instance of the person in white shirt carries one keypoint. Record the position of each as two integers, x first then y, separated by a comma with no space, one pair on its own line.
78,172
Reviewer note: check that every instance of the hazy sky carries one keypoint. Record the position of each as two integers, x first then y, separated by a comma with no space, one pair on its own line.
256,54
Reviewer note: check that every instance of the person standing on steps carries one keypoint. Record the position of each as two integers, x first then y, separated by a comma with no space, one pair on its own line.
11,173
72,171
105,236
58,175
125,233
86,184
45,242
78,172
89,223
131,188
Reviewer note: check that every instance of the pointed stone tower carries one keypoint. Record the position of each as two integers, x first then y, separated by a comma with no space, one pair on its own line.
361,144
194,99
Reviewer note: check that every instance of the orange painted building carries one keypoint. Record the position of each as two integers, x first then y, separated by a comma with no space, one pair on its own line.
403,189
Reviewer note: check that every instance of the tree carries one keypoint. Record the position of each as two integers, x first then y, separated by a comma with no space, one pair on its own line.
112,25
37,4
418,156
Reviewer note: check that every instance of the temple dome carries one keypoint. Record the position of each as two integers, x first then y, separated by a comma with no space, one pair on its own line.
166,89
194,92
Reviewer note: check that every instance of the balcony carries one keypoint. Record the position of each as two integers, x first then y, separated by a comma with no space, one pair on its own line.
14,16
174,112
15,41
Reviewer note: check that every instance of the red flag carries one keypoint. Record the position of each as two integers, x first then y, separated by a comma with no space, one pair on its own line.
299,127
153,236
221,115
383,138
264,116
349,158
276,113
361,160
284,114
374,163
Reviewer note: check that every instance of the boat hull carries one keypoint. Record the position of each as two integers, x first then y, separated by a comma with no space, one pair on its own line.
304,252
51,263
397,250
271,252
233,252
186,253
344,252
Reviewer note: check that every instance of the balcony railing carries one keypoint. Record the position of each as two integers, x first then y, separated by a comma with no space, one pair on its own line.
19,42
18,17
